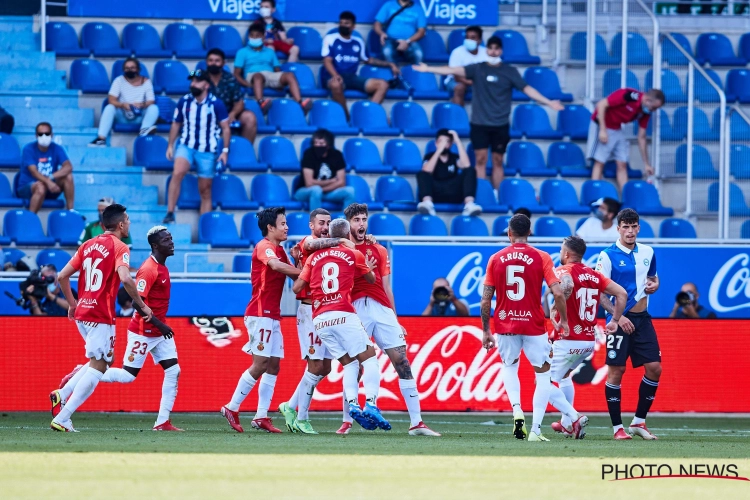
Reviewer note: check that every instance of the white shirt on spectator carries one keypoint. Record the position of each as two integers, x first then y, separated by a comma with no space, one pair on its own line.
591,230
462,57
125,92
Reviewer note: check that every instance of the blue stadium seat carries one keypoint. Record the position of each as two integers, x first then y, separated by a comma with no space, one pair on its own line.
526,157
263,128
279,153
249,229
567,158
738,84
519,193
308,40
374,48
668,133
551,227
485,197
271,191
102,40
670,54
411,119
368,71
62,39
610,171
703,167
143,40
117,69
507,169
580,222
574,121
330,115
190,198
88,76
7,199
561,196
219,230
515,49
384,224
637,47
744,50
306,79
55,256
171,77
287,116
371,119
463,225
25,228
12,255
704,92
676,228
433,47
646,230
716,49
242,262
578,43
363,155
745,230
644,198
10,151
737,205
184,41
611,81
456,39
299,223
451,116
532,121
500,225
738,127
362,192
242,156
166,113
151,152
228,193
427,225
395,193
58,203
546,82
304,146
224,37
65,227
739,161
670,84
595,190
404,155
701,127
424,85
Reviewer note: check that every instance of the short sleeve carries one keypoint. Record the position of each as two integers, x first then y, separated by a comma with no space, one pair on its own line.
144,280
421,18
237,93
274,60
122,255
308,162
471,71
489,277
75,262
62,155
265,251
455,59
603,281
178,116
28,157
652,267
220,110
327,43
360,264
337,161
362,50
278,26
149,89
305,274
239,59
516,79
619,97
549,270
115,88
383,14
384,263
604,265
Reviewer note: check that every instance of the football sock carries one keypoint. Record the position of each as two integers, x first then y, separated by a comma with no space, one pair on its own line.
308,383
371,379
557,399
168,393
244,386
614,397
117,375
346,416
265,394
411,397
83,390
512,385
351,385
294,400
566,386
646,395
541,398
67,389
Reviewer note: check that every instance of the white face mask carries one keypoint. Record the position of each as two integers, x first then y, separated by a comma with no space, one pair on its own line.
493,60
265,12
44,140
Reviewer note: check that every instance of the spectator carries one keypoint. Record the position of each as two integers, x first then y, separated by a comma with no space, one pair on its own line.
6,122
400,24
521,210
225,86
45,172
607,141
95,228
198,141
342,53
43,293
493,84
601,226
131,100
686,304
323,174
447,177
443,301
125,301
471,52
275,36
257,66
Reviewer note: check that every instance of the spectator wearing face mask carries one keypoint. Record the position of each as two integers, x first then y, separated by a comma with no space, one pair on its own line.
275,36
323,174
95,228
471,52
225,86
601,226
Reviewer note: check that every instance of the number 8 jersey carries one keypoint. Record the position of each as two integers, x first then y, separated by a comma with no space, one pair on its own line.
98,260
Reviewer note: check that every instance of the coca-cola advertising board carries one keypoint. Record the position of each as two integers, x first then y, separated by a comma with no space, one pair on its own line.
453,371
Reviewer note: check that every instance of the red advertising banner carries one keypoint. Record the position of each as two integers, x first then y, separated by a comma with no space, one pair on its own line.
452,370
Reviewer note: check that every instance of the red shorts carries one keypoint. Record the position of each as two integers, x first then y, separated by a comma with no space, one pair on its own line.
282,46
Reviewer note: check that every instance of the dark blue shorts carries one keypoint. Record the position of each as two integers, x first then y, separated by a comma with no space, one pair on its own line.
641,346
24,192
353,81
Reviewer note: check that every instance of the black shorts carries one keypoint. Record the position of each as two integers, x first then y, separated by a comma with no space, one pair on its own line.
641,346
494,138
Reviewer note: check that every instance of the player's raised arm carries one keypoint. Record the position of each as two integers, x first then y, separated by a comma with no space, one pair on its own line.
283,268
313,245
129,284
303,280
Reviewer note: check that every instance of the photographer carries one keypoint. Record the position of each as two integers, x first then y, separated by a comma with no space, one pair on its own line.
443,301
686,305
42,293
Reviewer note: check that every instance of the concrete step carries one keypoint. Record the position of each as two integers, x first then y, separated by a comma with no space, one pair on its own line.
181,233
16,23
105,180
67,117
106,160
24,98
27,59
32,79
152,215
88,195
19,40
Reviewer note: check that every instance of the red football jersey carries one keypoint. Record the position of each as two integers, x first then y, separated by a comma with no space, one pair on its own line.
305,294
375,291
625,106
331,273
584,301
153,284
98,260
517,273
267,285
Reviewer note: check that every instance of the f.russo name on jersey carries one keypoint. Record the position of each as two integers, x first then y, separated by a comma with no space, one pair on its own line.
517,256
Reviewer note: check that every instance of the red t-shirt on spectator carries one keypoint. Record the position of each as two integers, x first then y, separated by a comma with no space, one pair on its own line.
625,106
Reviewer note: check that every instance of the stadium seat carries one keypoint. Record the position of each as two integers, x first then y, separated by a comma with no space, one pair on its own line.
224,37
65,227
574,121
404,155
249,229
427,225
611,81
646,230
242,262
737,205
701,127
190,198
374,48
515,49
463,225
363,155
500,225
551,227
738,84
271,191
716,49
451,116
456,39
610,171
242,156
676,228
508,170
592,191
703,167
171,77
287,116
532,121
411,119
166,113
578,43
218,230
150,151
370,118
10,152
424,85
670,84
88,76
668,133
25,228
526,158
184,41
745,230
362,192
117,69
637,49
485,197
395,193
308,40
143,40
384,224
55,256
58,203
519,193
12,255
704,92
567,158
671,55
561,197
7,199
228,193
546,82
744,47
330,115
306,79
102,40
263,128
739,128
62,39
643,198
433,47
739,161
278,152
368,71
299,223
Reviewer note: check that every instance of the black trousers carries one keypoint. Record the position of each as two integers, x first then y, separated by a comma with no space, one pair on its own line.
448,191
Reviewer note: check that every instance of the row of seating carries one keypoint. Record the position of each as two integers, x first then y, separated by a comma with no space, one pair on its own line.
703,129
55,256
22,227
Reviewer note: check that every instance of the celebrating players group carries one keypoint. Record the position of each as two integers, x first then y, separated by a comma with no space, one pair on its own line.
342,280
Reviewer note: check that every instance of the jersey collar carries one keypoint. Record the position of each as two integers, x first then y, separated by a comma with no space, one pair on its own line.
625,249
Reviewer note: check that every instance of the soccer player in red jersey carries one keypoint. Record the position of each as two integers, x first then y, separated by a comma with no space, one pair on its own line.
270,268
331,274
518,272
103,263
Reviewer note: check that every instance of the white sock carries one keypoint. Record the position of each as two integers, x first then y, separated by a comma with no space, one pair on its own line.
541,398
351,384
244,386
411,397
294,400
307,385
512,385
346,416
84,388
265,394
616,428
117,375
168,393
557,399
67,389
371,379
637,420
566,386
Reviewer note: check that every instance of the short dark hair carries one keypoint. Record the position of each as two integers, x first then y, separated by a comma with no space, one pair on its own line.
272,2
495,40
657,94
113,215
216,52
268,217
53,268
524,211
613,206
519,225
355,209
348,15
256,28
475,29
445,132
628,216
133,60
319,211
325,134
576,245
153,234
40,124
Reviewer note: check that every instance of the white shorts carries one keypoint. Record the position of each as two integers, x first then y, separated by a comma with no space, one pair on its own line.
617,147
265,337
567,355
99,338
537,348
380,323
342,333
139,346
310,344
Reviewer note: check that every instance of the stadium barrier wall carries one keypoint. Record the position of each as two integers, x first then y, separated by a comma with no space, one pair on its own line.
453,371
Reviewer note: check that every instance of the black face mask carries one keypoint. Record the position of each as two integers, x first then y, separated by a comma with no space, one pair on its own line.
319,151
196,91
214,69
130,74
345,30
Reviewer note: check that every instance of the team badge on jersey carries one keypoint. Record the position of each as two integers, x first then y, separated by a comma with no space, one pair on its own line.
612,354
141,286
316,304
126,258
270,253
311,350
260,346
131,358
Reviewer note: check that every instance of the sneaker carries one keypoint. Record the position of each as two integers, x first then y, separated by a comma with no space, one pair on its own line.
356,413
472,210
519,425
56,401
62,426
306,104
621,435
422,430
265,424
557,427
426,208
579,427
169,218
147,131
233,417
642,431
538,438
345,428
69,376
167,426
290,415
373,413
98,143
265,105
303,426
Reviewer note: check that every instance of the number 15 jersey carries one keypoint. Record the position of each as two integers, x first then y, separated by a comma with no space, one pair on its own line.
588,286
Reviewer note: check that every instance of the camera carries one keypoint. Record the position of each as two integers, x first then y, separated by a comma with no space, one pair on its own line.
685,298
441,294
40,284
